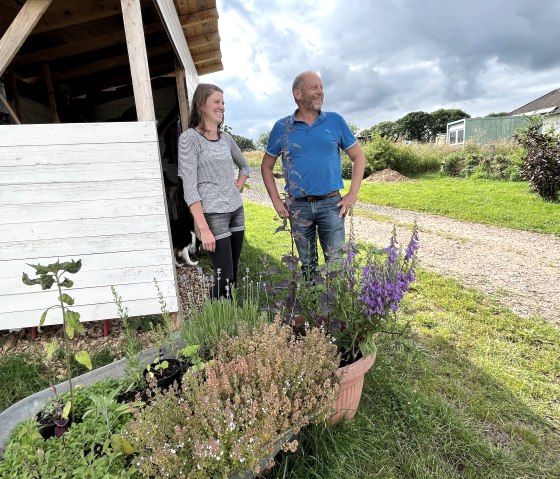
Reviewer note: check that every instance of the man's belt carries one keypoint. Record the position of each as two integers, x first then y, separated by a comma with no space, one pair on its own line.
318,198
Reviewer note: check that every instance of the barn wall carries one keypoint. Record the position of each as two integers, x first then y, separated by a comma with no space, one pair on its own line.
83,191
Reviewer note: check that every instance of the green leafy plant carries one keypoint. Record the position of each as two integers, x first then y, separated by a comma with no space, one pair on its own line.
93,448
50,275
131,344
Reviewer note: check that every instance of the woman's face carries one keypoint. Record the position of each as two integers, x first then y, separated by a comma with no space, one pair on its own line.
213,109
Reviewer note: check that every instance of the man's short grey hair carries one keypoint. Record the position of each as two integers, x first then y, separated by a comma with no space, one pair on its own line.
299,80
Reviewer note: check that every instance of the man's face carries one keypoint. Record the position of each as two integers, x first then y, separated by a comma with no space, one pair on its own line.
310,96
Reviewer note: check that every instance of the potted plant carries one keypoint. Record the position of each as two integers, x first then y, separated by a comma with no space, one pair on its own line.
229,419
359,300
353,298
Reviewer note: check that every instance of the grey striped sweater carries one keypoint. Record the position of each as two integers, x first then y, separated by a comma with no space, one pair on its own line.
206,168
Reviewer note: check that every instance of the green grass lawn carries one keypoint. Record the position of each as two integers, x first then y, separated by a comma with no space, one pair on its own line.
498,203
470,390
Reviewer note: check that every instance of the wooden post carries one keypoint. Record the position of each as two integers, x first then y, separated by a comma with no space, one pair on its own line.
19,30
138,59
50,90
15,94
182,95
10,111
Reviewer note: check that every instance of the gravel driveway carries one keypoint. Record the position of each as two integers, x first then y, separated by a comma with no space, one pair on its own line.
521,270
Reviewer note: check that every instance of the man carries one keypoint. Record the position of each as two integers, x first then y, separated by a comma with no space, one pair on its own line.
309,142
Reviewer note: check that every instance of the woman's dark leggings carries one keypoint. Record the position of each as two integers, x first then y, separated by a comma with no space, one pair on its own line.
226,259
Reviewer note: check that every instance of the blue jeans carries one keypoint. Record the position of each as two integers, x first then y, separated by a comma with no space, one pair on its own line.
325,223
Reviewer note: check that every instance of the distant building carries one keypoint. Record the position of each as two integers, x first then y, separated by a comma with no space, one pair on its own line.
548,106
483,130
490,129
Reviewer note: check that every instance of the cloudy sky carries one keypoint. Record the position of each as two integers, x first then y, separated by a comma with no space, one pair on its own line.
381,59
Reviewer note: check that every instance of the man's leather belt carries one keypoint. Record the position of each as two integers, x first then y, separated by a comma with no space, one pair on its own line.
318,198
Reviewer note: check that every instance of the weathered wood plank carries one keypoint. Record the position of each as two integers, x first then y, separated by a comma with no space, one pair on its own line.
90,262
85,190
77,247
77,154
94,312
67,228
138,59
78,133
19,30
115,208
41,300
75,173
85,279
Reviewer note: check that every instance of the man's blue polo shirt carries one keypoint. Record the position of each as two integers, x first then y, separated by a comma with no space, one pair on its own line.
313,164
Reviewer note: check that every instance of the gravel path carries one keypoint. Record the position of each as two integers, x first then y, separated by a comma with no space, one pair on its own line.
521,270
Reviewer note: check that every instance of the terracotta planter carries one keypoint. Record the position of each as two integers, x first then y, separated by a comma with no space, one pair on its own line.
351,384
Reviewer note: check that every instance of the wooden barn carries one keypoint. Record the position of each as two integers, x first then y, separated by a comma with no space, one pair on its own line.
93,95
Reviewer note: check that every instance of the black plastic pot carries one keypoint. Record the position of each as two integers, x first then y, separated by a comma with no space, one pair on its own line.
164,376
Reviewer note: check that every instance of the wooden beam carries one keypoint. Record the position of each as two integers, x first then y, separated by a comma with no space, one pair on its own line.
96,67
15,93
184,110
19,30
50,91
9,108
203,40
218,67
132,17
196,18
65,14
207,56
78,48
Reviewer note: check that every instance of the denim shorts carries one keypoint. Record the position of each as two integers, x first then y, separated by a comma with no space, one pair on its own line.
223,225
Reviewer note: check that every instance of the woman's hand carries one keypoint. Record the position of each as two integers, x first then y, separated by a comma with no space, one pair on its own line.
208,240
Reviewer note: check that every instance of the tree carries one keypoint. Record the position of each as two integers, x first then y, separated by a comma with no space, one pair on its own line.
262,141
416,125
501,113
387,129
353,128
443,116
244,144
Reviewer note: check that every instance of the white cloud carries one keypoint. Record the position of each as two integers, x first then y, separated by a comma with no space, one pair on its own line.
380,60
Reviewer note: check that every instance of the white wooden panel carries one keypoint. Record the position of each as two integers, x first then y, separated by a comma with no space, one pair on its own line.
78,246
33,298
86,191
93,312
78,154
175,32
77,133
68,210
86,227
13,269
12,287
76,173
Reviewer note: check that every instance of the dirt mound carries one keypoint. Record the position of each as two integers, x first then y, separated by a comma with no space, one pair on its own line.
387,175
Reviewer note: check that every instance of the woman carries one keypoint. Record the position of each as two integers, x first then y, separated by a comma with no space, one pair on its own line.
206,157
